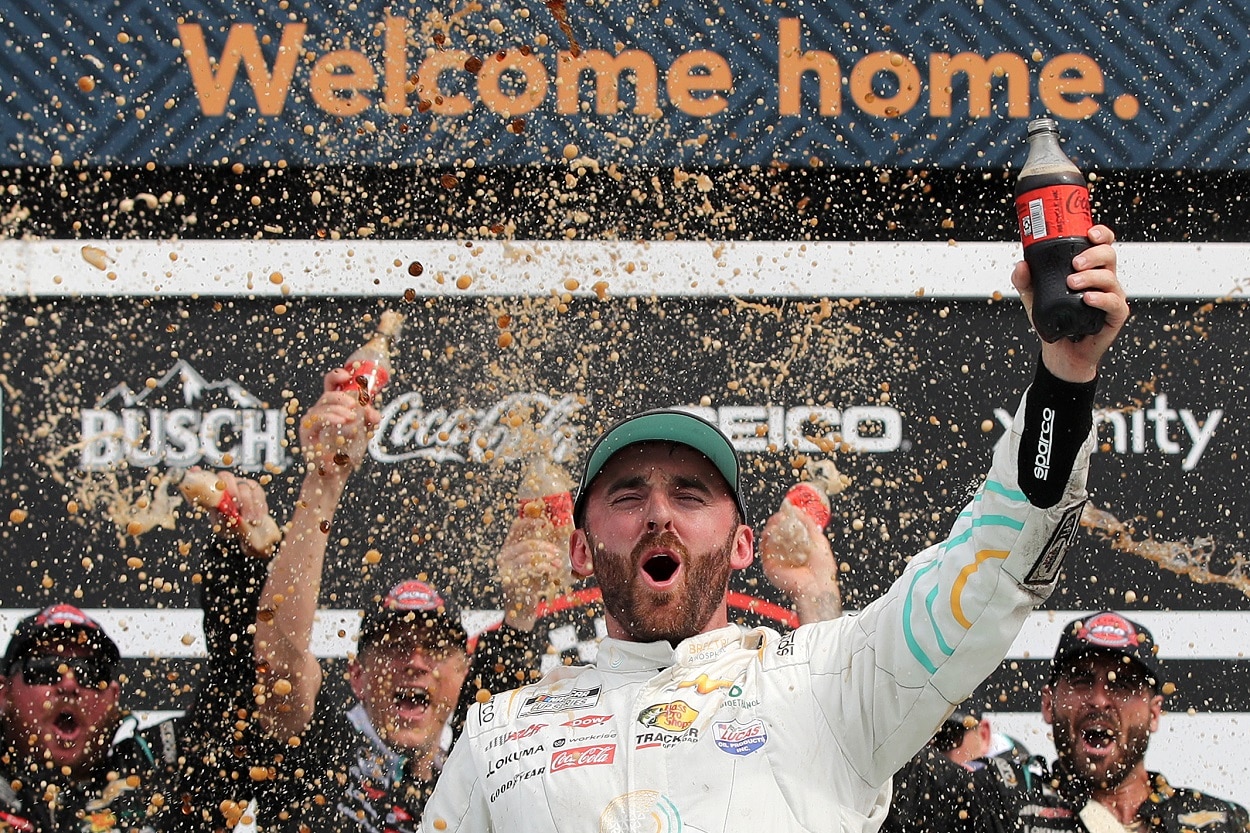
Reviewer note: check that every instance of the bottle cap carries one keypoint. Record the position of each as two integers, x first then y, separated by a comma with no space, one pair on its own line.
1043,124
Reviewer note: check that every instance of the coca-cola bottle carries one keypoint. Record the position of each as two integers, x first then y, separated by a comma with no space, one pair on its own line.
788,542
1052,205
544,513
545,492
370,364
205,490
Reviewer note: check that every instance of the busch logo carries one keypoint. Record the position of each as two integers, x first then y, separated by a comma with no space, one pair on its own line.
409,431
141,433
604,753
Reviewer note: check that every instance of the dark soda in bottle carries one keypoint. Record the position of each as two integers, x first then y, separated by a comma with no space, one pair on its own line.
1052,205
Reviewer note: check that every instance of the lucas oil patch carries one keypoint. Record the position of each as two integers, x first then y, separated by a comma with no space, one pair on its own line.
740,738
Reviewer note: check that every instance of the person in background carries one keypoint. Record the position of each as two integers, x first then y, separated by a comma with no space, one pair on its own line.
74,760
686,720
372,765
1103,702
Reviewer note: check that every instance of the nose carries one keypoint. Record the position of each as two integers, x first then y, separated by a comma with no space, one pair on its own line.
659,513
69,681
418,661
1100,694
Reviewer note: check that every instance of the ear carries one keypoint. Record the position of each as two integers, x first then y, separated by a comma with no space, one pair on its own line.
581,559
1048,715
356,675
744,548
1156,711
986,731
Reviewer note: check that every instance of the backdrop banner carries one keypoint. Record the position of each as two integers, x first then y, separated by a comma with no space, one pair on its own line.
948,84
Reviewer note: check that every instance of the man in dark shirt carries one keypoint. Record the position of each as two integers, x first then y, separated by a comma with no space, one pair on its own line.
1104,701
370,764
72,758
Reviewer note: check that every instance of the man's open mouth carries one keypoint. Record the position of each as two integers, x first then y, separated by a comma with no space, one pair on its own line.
1097,737
66,724
661,567
412,701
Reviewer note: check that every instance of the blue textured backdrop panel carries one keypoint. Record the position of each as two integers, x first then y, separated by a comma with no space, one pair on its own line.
1175,91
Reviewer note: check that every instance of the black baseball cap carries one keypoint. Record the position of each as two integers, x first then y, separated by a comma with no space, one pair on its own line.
663,425
58,623
417,604
1111,633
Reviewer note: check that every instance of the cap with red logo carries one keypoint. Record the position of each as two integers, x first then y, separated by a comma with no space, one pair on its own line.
418,604
1107,632
58,623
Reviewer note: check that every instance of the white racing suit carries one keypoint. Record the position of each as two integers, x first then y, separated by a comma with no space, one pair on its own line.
749,730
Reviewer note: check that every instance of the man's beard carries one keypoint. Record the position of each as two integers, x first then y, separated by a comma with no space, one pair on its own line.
673,615
1076,777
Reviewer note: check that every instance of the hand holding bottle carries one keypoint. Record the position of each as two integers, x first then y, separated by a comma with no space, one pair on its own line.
239,504
533,564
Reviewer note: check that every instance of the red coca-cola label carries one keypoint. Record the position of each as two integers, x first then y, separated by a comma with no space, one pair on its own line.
603,753
804,496
368,376
228,507
1053,211
557,508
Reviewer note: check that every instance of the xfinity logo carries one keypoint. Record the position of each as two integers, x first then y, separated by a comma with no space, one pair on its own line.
1155,425
221,424
1041,463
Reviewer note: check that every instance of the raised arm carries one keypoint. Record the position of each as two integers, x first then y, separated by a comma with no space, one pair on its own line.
949,620
334,435
803,567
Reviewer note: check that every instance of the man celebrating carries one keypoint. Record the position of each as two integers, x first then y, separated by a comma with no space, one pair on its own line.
1104,701
70,763
687,722
371,766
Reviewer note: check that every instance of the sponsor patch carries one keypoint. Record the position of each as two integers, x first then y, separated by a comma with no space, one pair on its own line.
602,753
519,734
1047,566
676,716
706,685
664,740
740,738
587,720
547,702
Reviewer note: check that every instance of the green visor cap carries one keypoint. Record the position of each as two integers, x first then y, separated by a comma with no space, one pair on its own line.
663,426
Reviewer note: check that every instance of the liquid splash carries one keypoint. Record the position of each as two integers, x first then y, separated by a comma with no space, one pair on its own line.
1191,559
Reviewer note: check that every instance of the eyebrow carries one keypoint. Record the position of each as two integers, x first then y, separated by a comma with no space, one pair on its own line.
637,481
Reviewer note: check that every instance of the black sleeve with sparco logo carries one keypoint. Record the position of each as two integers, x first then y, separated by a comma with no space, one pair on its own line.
1057,418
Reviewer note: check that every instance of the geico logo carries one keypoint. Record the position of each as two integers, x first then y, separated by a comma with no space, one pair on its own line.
762,428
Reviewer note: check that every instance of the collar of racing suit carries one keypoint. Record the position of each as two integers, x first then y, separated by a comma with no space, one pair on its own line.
620,655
